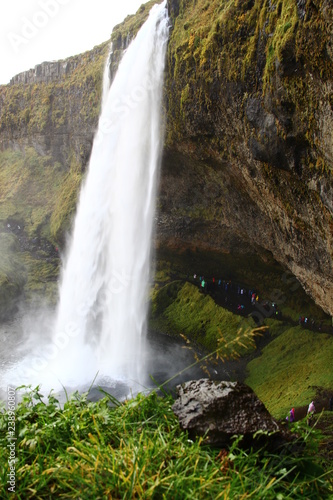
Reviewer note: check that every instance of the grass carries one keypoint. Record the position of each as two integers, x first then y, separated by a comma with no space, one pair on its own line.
296,361
290,368
136,449
181,308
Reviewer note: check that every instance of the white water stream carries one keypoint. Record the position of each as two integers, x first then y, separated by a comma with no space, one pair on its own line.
103,295
100,324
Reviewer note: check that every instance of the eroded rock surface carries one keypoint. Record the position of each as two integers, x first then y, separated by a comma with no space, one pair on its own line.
221,410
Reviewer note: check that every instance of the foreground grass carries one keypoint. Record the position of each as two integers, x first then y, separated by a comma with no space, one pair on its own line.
137,450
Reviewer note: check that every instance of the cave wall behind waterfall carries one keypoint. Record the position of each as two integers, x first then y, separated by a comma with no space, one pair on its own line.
249,147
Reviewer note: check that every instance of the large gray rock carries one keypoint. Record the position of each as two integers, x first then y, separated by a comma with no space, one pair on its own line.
220,410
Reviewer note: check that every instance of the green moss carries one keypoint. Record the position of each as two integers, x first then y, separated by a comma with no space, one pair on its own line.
184,95
10,266
30,188
276,327
282,24
182,309
65,205
199,44
290,368
250,44
131,25
137,449
12,273
164,296
44,106
260,272
42,278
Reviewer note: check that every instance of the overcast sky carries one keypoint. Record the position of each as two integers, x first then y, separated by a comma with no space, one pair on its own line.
33,31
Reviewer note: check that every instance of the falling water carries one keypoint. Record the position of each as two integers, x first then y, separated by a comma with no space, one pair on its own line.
101,316
106,76
104,288
100,322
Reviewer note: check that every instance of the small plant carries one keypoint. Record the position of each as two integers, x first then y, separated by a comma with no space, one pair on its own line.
136,449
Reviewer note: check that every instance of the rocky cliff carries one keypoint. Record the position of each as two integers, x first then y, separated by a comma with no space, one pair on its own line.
248,158
54,107
249,134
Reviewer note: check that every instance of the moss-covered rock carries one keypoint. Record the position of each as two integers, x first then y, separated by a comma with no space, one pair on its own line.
180,308
58,116
249,113
12,274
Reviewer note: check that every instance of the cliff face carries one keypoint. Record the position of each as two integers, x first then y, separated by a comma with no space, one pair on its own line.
248,159
54,107
46,72
249,134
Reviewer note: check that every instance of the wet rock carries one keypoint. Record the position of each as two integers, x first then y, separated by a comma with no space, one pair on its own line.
221,410
301,4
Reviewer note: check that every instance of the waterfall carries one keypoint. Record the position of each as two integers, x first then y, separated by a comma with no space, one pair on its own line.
106,77
103,300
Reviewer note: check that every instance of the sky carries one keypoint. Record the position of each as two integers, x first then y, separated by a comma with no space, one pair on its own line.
34,31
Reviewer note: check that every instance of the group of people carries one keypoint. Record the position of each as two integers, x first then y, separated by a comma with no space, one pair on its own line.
236,297
309,323
244,301
310,412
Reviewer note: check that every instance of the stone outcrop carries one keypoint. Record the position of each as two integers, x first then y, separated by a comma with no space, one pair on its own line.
218,411
46,72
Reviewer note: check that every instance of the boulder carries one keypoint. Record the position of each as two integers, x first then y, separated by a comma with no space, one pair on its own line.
219,410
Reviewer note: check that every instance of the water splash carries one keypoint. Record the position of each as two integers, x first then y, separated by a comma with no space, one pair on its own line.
101,317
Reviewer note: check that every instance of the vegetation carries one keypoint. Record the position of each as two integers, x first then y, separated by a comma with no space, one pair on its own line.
31,190
30,187
261,272
290,369
39,192
229,45
181,308
12,273
132,23
295,361
42,278
66,201
38,107
136,449
247,46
